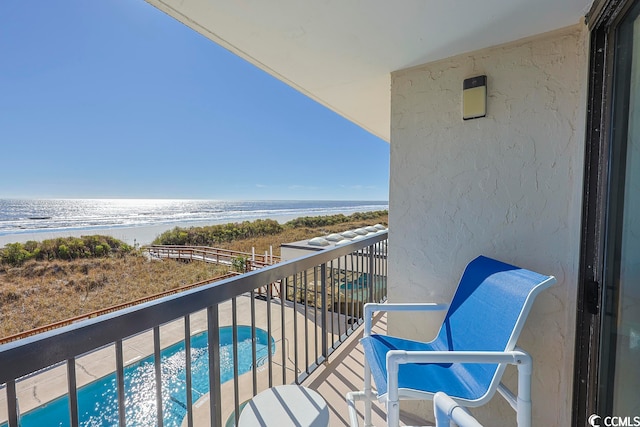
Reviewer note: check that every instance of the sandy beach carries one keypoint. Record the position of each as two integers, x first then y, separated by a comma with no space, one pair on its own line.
141,235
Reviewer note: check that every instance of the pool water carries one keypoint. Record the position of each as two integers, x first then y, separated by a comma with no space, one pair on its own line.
97,401
361,283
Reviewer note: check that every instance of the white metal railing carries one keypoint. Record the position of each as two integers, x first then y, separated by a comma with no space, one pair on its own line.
318,304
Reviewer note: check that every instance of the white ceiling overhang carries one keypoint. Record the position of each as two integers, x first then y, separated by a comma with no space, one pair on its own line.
341,52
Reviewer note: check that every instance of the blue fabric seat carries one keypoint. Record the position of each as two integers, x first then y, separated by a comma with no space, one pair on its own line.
456,379
480,329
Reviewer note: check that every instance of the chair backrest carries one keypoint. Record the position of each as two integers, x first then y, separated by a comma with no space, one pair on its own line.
489,309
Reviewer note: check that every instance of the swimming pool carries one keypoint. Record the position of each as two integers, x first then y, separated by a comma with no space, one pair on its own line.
97,401
360,285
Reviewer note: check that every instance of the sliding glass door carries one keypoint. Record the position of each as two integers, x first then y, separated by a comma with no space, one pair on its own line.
619,379
608,327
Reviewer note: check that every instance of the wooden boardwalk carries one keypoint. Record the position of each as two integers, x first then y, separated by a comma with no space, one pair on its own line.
218,256
211,255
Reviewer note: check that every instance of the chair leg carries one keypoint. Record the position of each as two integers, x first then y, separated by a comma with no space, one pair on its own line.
368,393
365,395
393,413
393,399
352,398
524,393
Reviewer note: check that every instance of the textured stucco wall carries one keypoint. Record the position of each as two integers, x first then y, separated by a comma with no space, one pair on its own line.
507,186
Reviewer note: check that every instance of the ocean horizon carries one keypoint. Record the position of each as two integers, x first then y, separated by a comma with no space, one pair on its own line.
141,220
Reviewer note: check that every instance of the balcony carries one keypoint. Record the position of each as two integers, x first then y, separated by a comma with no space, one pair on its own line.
307,311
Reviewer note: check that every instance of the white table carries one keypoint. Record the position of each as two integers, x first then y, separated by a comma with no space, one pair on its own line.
284,406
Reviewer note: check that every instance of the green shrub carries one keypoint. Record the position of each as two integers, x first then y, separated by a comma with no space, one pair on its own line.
99,250
63,248
223,233
323,221
15,254
239,264
63,252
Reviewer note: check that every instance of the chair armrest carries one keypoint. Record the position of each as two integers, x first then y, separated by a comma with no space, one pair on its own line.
518,357
401,357
372,307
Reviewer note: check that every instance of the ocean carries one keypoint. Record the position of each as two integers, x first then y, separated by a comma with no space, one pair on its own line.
22,220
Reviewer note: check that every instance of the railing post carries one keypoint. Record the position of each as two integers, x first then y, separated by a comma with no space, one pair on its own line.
73,393
12,400
234,334
269,332
325,309
370,276
120,383
157,359
187,368
213,331
295,328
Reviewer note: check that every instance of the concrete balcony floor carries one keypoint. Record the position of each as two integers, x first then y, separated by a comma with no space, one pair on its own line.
345,372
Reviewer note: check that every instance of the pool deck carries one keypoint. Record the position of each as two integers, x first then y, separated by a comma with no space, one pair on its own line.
342,373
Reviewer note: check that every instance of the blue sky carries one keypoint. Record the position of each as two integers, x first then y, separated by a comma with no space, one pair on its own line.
115,99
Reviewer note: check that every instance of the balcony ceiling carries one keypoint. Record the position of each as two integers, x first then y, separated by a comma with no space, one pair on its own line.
341,52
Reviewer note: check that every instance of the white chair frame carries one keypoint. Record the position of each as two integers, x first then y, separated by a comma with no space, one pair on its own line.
520,403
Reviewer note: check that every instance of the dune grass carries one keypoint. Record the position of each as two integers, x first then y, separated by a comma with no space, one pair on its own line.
41,292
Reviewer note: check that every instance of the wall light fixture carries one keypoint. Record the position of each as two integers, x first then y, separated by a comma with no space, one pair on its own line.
474,97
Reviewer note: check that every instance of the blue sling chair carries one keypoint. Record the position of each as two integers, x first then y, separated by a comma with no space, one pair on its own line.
467,358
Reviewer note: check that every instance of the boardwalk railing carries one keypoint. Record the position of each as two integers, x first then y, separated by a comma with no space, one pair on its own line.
321,297
209,254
